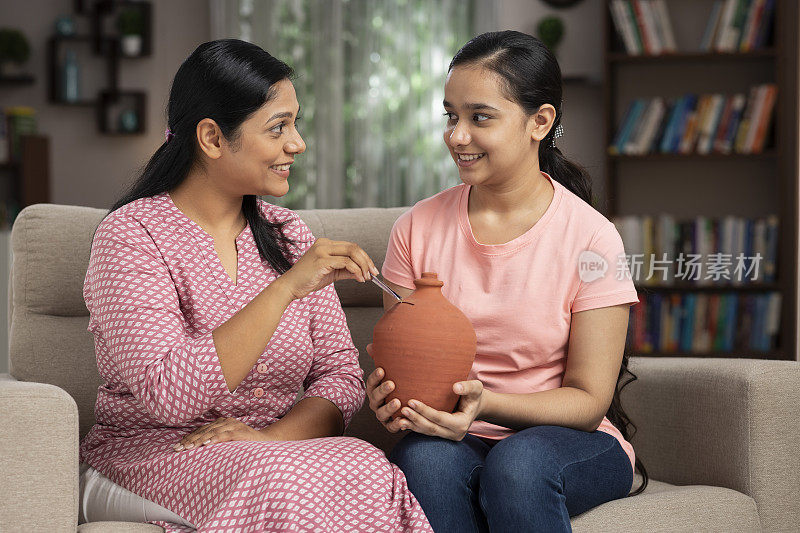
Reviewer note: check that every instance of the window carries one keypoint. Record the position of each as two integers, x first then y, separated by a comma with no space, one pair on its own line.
370,79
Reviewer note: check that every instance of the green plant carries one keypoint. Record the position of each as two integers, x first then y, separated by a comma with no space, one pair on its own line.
130,22
550,30
14,46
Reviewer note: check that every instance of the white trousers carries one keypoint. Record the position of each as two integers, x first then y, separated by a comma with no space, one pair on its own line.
103,500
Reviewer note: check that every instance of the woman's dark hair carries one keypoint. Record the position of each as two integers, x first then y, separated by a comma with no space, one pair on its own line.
531,77
227,81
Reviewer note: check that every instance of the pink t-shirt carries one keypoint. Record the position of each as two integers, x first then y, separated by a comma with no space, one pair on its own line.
519,295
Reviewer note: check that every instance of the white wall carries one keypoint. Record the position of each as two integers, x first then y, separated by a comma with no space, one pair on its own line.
88,168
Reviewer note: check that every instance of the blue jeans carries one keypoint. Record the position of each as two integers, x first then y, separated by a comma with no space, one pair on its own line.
531,481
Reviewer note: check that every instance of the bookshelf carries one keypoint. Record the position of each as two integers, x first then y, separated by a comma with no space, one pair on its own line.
714,185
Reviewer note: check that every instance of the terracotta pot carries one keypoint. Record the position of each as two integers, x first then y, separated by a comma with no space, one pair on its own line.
425,345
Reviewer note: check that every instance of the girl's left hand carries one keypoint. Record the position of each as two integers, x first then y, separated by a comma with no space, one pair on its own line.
454,426
220,430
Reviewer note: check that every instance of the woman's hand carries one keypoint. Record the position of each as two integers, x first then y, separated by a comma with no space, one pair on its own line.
325,262
454,426
220,430
377,393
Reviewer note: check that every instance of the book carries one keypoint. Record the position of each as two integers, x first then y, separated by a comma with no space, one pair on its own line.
651,128
619,15
758,106
692,130
725,36
665,24
764,119
632,140
615,144
773,321
739,20
709,36
651,47
739,102
21,121
765,28
750,29
747,117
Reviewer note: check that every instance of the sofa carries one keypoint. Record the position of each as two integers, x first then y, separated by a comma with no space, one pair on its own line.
720,438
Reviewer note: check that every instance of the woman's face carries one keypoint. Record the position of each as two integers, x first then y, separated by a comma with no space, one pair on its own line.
488,135
259,160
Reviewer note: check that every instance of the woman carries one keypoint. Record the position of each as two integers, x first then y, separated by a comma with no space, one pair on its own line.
210,311
535,268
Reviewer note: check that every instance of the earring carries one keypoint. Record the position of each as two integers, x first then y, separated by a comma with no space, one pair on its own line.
559,131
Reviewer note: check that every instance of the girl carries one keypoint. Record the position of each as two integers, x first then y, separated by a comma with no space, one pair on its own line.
542,277
210,310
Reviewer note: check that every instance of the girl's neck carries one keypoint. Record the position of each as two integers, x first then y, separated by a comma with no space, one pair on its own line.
512,195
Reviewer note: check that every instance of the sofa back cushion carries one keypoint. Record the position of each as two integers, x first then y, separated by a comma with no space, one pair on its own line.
49,342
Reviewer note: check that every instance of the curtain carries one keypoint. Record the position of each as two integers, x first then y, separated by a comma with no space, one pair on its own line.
369,79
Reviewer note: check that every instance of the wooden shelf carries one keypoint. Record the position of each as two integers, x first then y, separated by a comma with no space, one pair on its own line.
687,287
622,58
728,73
20,79
769,154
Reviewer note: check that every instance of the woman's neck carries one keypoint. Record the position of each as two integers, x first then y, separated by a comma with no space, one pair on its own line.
217,213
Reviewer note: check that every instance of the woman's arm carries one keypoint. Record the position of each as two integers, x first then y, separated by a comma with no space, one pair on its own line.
242,339
310,418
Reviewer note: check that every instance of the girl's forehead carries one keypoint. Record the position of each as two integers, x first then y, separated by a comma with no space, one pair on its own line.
470,84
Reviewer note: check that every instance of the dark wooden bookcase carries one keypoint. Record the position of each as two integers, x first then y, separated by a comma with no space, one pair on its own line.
715,185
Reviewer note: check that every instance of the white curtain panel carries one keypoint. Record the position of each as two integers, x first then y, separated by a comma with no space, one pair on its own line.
369,78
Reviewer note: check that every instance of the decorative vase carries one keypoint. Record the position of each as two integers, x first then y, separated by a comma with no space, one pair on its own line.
424,344
128,121
70,78
131,45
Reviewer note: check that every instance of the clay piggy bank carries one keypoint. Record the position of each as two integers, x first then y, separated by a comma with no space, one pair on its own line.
425,344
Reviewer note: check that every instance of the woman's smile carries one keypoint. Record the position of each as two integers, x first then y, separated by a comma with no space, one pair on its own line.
281,169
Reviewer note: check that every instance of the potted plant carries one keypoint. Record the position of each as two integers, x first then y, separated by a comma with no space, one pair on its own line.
550,30
130,23
14,50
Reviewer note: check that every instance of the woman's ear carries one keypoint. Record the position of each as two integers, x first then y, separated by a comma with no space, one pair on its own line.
209,137
542,121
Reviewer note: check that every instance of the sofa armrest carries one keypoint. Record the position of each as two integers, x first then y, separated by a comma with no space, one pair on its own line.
724,422
39,454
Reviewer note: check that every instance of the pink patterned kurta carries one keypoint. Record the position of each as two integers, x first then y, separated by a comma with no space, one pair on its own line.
156,290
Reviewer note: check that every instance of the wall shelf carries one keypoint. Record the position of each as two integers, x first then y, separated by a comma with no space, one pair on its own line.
105,46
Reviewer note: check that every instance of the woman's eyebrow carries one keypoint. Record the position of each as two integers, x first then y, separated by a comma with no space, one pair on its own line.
472,106
282,114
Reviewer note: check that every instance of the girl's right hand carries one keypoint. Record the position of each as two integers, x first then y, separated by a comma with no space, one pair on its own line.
325,262
377,393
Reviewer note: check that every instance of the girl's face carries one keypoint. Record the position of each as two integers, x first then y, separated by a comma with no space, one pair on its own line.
490,137
259,160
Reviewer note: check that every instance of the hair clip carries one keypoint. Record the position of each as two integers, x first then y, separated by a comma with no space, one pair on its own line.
559,132
168,134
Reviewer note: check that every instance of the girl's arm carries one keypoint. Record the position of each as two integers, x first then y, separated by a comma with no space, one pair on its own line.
596,345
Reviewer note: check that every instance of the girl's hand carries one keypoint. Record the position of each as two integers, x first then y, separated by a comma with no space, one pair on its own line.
325,262
454,426
220,430
377,393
